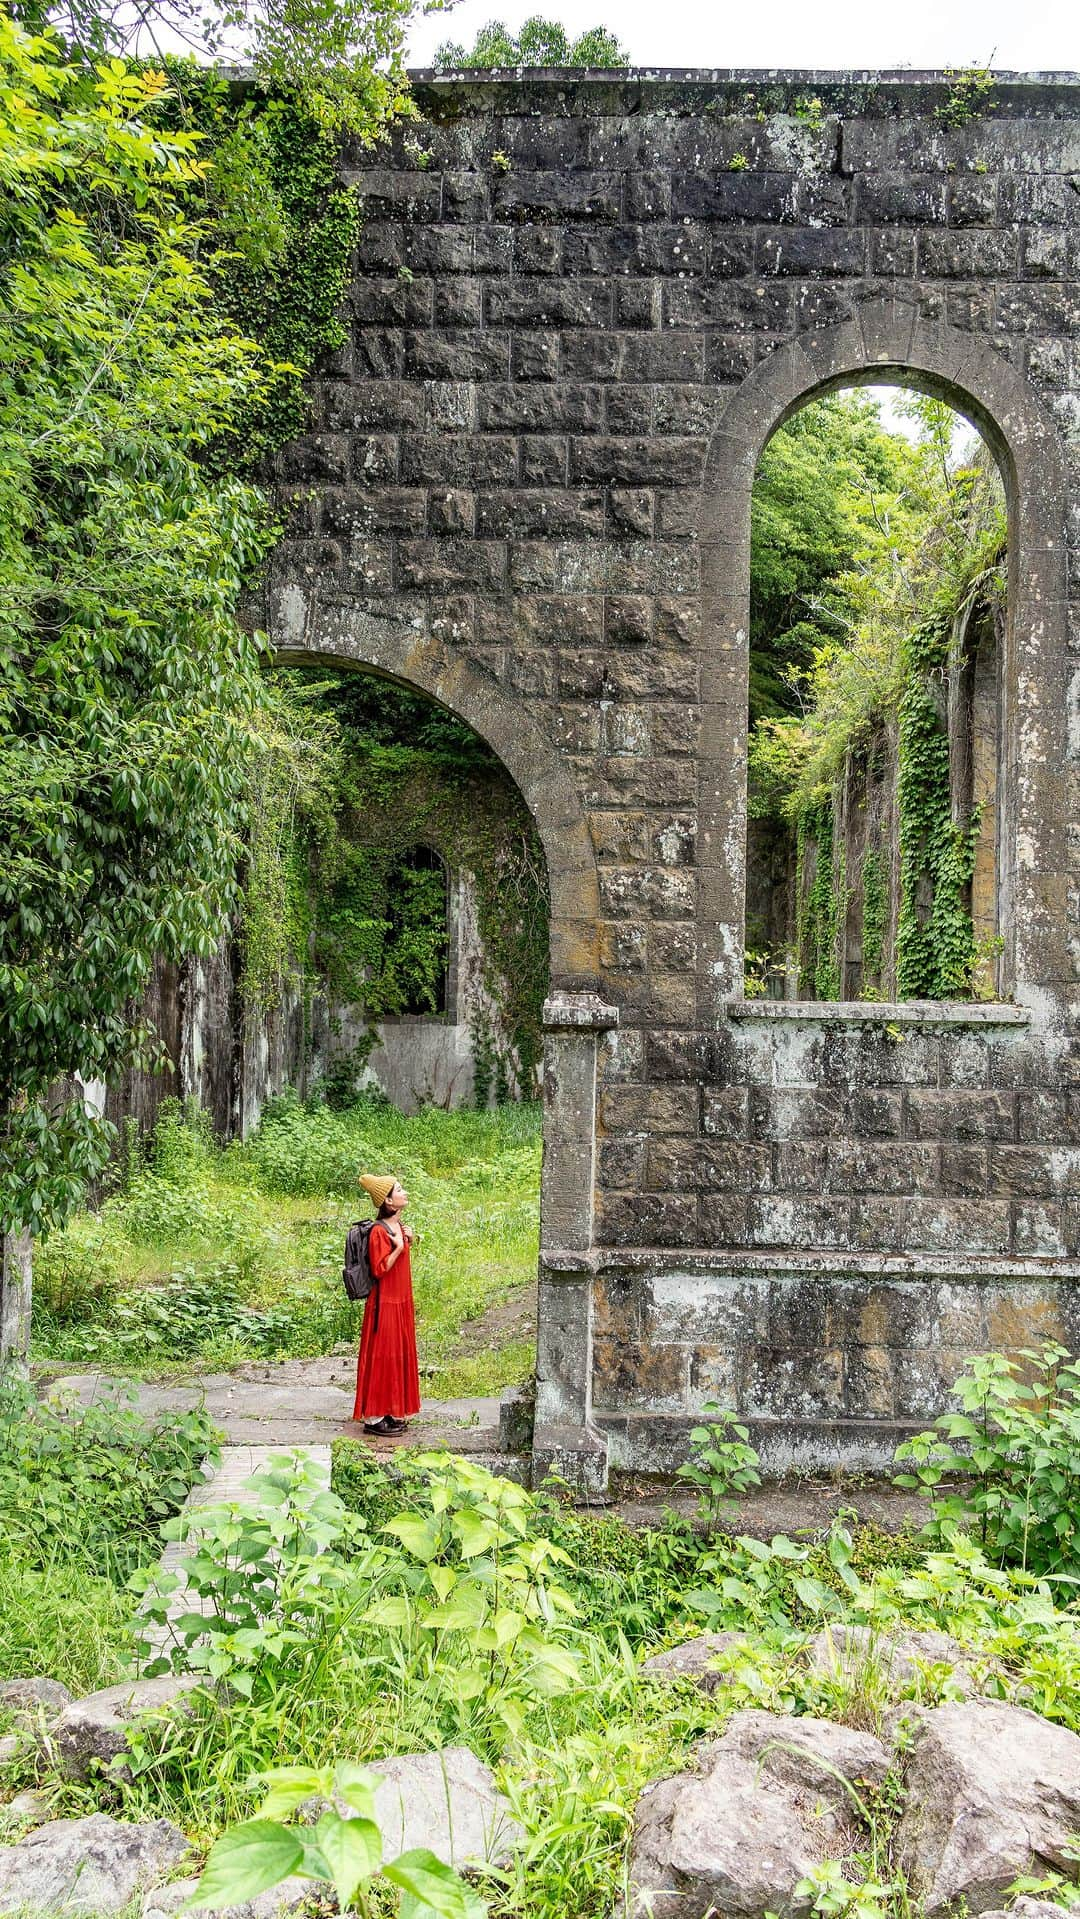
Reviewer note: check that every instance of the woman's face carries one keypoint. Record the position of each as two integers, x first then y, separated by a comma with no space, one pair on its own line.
397,1197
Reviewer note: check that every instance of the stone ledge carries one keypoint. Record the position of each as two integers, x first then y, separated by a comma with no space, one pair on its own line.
578,1012
858,1012
764,1264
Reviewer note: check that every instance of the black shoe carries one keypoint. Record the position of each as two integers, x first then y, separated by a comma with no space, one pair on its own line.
390,1425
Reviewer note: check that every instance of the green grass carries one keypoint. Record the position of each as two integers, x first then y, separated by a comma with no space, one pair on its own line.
206,1257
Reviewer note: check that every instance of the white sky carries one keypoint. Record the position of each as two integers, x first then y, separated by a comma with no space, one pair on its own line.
1036,36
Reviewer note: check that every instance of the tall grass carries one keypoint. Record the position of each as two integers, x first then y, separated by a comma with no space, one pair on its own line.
207,1256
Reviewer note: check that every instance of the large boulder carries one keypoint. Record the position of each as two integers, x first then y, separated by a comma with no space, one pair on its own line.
447,1801
993,1791
894,1662
93,1731
93,1865
34,1702
766,1802
165,1901
694,1660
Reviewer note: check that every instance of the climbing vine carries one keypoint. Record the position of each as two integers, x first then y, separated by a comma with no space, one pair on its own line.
935,941
286,227
850,644
823,902
875,913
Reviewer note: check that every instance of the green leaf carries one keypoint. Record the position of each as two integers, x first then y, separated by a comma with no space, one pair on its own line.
432,1886
250,1859
352,1849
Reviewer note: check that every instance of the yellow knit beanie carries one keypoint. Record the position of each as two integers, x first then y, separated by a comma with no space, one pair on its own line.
377,1187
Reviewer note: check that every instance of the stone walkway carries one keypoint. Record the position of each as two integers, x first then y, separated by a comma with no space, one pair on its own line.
295,1403
228,1485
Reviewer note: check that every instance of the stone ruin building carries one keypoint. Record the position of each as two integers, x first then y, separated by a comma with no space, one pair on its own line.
582,304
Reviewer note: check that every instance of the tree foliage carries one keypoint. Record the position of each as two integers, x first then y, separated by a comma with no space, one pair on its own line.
151,225
539,43
126,685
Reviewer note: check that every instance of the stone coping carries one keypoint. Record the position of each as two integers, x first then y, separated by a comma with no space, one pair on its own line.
826,78
762,1264
578,1011
859,1012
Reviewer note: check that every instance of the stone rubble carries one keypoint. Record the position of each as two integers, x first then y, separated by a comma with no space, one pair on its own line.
92,1866
993,1792
765,1802
693,1660
92,1732
896,1660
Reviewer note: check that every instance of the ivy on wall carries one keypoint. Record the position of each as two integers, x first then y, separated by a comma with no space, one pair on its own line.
286,228
935,941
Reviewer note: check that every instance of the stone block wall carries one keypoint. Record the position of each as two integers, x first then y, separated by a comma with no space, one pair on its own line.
581,305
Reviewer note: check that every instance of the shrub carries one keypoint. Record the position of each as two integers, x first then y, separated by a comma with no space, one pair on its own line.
92,1487
1015,1448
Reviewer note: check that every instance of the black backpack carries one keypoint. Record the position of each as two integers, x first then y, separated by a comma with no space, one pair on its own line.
356,1274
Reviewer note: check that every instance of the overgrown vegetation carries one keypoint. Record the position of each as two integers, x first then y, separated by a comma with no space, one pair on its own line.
868,552
205,1257
428,1603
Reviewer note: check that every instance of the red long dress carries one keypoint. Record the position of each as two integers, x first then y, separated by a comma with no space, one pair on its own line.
387,1375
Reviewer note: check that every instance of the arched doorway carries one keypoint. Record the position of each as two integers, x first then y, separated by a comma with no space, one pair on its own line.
344,637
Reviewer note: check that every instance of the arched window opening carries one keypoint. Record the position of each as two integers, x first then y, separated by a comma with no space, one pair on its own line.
418,936
878,550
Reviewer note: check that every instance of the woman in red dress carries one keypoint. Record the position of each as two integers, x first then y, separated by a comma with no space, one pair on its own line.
387,1375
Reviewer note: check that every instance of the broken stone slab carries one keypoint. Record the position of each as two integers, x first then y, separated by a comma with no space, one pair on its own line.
29,1808
898,1658
1028,1907
94,1731
165,1901
694,1660
93,1865
34,1702
447,1801
993,1791
768,1801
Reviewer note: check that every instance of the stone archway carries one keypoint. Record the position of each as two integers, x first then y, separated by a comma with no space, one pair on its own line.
303,632
889,340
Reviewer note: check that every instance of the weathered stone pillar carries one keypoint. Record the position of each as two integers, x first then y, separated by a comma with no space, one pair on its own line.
564,1438
15,1271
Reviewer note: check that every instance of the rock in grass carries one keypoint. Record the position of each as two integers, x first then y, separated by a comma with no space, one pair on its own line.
447,1801
1027,1907
29,1808
694,1660
894,1661
993,1791
34,1702
94,1730
766,1802
92,1865
167,1900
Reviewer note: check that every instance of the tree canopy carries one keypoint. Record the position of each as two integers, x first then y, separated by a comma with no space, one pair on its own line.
539,43
149,358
